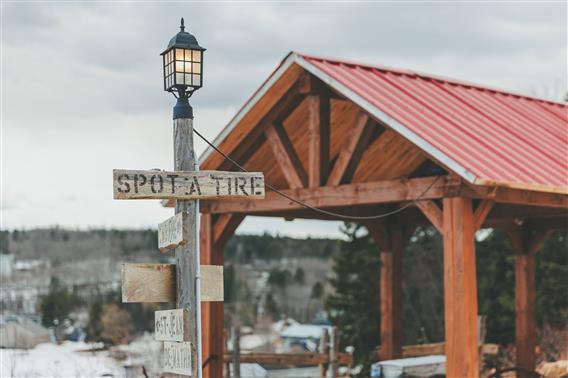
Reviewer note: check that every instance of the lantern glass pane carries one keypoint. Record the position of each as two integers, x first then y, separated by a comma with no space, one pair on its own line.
196,80
196,68
179,78
188,55
196,56
187,79
179,54
179,66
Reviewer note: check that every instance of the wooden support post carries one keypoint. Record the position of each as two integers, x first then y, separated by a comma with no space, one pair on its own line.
391,242
525,247
187,260
460,289
211,312
236,339
323,349
525,296
333,346
319,133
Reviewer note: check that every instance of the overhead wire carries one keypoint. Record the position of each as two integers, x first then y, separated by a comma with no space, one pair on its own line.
316,209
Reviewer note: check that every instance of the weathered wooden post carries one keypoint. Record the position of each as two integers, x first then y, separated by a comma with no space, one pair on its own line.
186,282
323,349
333,346
236,338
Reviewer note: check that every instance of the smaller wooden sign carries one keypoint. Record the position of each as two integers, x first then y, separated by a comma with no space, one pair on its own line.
171,325
172,232
177,357
211,279
186,185
142,283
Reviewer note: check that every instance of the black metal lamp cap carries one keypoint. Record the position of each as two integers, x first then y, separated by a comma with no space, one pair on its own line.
184,40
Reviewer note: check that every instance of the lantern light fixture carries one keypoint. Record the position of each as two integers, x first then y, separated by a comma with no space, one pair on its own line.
183,70
183,64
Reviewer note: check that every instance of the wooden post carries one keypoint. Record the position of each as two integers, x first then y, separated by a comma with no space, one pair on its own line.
460,289
391,242
236,338
333,346
187,259
319,133
323,349
525,247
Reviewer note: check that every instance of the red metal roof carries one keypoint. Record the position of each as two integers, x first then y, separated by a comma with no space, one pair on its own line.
495,137
485,135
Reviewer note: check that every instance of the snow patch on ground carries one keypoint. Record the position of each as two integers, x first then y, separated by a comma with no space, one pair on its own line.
51,360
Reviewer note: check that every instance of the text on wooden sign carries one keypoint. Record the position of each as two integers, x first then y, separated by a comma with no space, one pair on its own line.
186,185
171,325
172,232
177,357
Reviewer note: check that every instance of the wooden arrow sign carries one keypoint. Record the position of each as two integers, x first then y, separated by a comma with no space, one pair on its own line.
157,283
177,357
172,232
187,185
171,325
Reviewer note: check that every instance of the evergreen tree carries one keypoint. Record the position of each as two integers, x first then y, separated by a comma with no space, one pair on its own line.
56,305
354,305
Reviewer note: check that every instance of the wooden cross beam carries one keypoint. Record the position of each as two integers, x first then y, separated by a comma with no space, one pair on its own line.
286,156
352,151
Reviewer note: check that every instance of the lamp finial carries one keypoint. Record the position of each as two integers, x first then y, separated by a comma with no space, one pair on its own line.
182,26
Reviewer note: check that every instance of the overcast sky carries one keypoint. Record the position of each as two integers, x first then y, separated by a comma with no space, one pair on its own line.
82,91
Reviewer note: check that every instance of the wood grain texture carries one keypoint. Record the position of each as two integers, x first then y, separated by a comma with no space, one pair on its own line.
460,289
187,260
129,184
211,283
433,213
157,283
286,156
343,195
179,358
351,152
148,283
172,232
319,134
211,312
525,245
481,212
171,325
225,227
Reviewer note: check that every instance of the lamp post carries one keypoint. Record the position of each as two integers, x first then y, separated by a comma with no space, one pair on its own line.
183,75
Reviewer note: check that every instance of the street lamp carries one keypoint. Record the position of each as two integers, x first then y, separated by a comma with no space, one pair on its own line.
183,69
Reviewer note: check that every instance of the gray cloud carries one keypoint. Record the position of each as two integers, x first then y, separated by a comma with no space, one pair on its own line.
82,90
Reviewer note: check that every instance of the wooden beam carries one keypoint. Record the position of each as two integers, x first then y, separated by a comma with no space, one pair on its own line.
481,213
286,156
319,134
517,196
211,312
433,213
225,227
371,193
460,289
351,152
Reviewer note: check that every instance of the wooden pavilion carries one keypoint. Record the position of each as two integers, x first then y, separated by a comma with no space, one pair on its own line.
364,140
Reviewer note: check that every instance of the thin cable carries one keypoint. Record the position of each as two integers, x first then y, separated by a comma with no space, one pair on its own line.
322,211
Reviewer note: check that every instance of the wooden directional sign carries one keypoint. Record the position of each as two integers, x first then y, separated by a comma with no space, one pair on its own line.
157,283
171,325
187,185
172,232
177,357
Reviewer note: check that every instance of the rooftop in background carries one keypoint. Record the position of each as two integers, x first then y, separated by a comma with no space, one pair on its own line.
487,136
